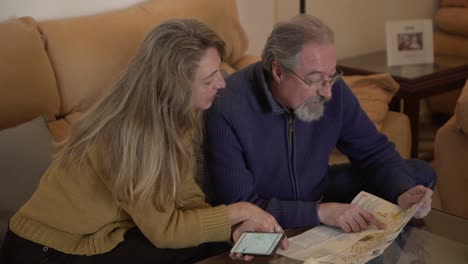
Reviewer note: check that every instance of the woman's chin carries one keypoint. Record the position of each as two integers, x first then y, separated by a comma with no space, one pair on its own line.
205,106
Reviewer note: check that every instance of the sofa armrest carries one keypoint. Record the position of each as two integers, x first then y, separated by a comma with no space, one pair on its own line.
461,110
450,152
245,61
396,127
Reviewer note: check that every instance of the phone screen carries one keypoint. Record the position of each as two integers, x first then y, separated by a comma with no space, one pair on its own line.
257,243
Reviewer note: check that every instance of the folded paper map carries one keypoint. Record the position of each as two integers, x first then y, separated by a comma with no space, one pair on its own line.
329,245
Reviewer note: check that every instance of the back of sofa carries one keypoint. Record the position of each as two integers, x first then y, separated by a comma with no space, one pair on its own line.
88,53
61,66
27,82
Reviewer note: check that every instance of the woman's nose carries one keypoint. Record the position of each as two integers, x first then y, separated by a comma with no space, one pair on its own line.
220,83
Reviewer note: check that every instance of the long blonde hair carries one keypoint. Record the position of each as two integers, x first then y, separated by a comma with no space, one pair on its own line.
144,126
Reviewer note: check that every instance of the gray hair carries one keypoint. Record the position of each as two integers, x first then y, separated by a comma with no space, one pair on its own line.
287,39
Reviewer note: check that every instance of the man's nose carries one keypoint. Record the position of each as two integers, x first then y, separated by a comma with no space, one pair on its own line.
326,90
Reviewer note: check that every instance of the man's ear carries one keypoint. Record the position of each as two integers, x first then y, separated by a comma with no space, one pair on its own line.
276,71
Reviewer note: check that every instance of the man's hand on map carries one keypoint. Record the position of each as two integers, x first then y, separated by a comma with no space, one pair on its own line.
250,225
415,195
349,217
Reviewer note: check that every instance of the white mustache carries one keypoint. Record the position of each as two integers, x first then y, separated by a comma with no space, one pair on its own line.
313,100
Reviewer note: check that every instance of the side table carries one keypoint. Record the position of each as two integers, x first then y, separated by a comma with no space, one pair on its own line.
416,81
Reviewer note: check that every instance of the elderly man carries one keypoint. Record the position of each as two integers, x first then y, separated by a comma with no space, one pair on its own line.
271,132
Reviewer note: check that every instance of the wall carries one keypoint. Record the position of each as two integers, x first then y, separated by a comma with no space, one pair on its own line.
359,25
50,9
257,17
357,29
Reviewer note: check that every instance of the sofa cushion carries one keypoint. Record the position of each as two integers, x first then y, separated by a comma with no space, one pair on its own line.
89,52
374,93
25,153
27,82
449,44
461,110
453,20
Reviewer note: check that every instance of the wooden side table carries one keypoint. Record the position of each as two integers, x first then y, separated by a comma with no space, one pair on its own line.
416,81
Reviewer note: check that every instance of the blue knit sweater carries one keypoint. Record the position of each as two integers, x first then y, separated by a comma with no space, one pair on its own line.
259,152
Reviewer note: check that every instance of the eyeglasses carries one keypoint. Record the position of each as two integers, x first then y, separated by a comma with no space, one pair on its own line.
319,84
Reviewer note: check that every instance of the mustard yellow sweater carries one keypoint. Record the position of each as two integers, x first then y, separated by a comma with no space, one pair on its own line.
73,212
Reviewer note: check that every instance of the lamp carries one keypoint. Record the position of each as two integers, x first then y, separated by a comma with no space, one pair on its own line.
302,6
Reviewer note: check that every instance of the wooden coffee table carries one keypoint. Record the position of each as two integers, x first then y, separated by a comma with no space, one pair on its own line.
416,81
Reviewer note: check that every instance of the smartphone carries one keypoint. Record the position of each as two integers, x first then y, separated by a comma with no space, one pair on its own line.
258,243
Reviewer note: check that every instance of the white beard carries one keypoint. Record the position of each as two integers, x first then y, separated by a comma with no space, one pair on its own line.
312,109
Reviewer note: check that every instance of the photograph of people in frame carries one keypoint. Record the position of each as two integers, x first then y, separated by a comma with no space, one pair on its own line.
410,41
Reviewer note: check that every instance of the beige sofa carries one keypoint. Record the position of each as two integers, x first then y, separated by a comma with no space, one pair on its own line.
450,39
56,69
451,159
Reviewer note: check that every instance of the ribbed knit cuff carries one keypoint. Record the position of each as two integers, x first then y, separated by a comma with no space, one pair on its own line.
215,224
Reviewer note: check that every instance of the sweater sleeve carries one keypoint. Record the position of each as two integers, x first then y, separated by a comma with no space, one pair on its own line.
371,150
191,224
232,181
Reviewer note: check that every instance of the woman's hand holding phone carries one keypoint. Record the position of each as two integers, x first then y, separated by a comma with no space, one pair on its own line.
250,225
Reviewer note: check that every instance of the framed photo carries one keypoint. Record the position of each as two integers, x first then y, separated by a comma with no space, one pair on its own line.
409,42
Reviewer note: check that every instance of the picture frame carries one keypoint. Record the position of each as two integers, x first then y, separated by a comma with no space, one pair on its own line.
409,42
